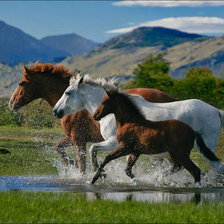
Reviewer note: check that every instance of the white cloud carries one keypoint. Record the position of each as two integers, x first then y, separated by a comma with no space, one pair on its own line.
168,3
201,25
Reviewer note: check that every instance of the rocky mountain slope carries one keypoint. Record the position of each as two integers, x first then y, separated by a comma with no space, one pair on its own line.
121,54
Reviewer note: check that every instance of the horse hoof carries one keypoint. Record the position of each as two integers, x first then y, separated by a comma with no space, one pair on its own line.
71,162
103,175
134,181
197,184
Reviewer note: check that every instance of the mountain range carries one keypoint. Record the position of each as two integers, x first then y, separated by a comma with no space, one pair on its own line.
120,55
17,46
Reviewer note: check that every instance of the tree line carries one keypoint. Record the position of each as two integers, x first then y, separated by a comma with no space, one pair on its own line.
199,83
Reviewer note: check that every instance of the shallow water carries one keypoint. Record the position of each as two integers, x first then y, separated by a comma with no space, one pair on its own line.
154,184
108,191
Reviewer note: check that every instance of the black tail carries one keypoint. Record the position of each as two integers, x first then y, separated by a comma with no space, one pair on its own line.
204,149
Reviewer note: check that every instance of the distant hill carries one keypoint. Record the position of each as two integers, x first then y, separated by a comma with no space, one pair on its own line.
208,53
73,44
148,37
121,54
17,46
9,77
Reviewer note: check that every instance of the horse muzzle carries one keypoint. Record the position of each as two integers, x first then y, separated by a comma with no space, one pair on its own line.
58,113
14,107
96,117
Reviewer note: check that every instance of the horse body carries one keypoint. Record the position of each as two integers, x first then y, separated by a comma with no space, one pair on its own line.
49,82
137,135
202,117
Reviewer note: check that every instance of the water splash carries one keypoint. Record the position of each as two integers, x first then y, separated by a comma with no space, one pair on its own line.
158,175
148,173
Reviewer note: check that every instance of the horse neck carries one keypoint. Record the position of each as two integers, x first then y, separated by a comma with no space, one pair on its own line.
123,114
52,89
93,95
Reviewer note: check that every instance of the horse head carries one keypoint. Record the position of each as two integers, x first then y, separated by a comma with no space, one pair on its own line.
25,91
105,107
71,99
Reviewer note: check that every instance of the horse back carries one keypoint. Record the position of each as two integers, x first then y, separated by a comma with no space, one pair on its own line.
152,95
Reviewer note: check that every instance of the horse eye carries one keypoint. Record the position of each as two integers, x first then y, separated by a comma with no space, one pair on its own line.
22,83
68,93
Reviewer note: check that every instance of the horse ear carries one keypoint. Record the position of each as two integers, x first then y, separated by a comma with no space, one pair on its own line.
26,72
81,80
109,94
25,69
76,72
36,63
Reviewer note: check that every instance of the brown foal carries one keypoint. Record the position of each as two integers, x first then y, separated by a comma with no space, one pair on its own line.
137,136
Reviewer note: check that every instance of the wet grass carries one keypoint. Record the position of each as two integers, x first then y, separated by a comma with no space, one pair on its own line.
29,207
31,150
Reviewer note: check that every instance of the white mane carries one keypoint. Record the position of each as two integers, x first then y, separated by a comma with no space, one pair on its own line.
108,84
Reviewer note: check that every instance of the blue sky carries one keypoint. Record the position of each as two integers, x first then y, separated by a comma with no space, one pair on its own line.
101,20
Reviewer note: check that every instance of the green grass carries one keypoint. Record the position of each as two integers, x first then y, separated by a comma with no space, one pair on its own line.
18,207
31,150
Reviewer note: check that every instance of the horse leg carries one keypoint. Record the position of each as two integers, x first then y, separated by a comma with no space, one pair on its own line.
193,169
108,145
131,162
65,142
81,158
176,167
189,165
116,153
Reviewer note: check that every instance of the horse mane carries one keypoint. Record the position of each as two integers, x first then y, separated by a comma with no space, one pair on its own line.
51,69
108,84
130,104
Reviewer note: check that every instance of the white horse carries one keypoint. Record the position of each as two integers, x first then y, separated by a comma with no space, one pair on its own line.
87,93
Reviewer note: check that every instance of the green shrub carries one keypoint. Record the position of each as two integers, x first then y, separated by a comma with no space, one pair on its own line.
37,114
7,117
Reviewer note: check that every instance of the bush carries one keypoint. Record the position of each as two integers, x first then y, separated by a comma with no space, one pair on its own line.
7,117
37,114
152,73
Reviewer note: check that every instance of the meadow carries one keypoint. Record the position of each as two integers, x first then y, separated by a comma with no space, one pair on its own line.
31,154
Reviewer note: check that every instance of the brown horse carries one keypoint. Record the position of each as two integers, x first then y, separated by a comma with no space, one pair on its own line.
137,136
48,82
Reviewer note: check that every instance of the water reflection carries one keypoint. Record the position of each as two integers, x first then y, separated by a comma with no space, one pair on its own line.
159,196
115,192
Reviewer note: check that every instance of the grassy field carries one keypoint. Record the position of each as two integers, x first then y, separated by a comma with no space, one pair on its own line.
31,150
31,154
18,207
